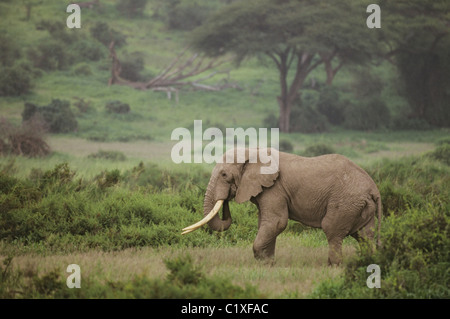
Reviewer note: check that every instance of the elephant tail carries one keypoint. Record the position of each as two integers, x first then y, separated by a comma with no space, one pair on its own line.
377,199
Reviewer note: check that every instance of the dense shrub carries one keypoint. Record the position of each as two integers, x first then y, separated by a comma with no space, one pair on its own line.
306,119
271,120
317,150
414,260
27,139
103,33
58,116
51,55
186,15
132,66
88,49
114,210
15,79
286,146
442,153
117,107
368,111
131,8
329,104
82,69
370,114
10,49
411,182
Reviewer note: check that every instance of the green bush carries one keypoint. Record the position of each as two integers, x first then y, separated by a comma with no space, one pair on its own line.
82,69
306,119
186,15
10,49
131,8
117,107
414,260
56,211
88,49
271,120
16,79
105,35
57,115
442,153
368,115
132,66
329,104
286,146
108,179
443,141
109,155
317,150
410,182
51,55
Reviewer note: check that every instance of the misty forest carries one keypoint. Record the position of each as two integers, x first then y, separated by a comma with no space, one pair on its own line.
87,113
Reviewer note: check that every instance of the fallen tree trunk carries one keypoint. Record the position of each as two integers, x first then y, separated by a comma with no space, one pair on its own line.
179,73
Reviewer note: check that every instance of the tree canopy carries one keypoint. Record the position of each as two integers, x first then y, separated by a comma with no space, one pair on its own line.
300,35
297,35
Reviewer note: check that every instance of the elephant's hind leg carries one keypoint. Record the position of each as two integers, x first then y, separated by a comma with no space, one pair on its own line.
364,231
336,229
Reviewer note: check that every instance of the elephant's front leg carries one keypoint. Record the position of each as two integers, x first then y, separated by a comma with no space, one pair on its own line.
273,219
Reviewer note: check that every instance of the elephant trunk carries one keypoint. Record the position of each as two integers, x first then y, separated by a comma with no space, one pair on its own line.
211,206
216,223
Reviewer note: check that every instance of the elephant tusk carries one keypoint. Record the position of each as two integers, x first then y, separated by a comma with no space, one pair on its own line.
205,220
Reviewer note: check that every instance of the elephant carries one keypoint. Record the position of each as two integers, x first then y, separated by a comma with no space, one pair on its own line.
329,192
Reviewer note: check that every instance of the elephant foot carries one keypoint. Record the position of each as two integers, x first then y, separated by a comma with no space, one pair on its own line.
267,261
334,263
264,257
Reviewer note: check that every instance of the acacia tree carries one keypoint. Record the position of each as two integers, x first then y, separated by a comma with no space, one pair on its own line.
297,35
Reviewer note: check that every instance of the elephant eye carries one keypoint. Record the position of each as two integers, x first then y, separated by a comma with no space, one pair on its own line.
224,175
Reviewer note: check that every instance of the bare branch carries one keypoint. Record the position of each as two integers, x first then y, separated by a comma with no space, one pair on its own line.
175,74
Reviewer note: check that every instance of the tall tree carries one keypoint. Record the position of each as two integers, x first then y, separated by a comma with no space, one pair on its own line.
297,35
418,35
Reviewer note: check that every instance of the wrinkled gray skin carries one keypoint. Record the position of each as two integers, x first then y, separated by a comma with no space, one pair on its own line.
328,192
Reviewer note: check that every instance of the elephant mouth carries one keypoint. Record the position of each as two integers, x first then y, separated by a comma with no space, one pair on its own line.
206,219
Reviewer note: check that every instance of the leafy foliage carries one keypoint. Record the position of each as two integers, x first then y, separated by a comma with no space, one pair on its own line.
58,116
113,211
105,35
317,150
117,107
131,8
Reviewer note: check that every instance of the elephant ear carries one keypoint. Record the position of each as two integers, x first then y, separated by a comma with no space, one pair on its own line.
252,180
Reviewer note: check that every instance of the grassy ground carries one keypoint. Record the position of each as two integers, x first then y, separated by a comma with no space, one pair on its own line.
301,257
301,263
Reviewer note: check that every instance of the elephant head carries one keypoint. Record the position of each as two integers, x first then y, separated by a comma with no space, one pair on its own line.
239,179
